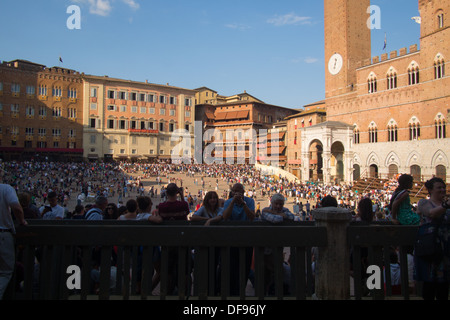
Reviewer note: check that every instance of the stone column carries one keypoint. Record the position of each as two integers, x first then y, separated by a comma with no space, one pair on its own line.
333,263
348,166
305,167
326,169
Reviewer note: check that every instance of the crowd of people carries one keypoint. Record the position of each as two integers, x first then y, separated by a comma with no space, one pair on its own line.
45,190
80,183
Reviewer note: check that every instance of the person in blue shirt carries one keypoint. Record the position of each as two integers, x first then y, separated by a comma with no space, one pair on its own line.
239,207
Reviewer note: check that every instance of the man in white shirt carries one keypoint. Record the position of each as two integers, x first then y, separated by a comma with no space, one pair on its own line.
8,200
54,211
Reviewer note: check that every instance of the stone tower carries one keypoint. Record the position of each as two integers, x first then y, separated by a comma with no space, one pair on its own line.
347,42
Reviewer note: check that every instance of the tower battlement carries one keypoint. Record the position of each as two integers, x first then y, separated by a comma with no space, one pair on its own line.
388,56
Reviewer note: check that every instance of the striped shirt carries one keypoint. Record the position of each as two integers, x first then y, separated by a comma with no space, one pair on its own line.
274,218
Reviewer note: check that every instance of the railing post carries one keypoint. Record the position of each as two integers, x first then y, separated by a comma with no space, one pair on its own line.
333,263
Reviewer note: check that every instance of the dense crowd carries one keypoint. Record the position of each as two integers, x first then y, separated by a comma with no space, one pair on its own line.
244,198
67,180
86,181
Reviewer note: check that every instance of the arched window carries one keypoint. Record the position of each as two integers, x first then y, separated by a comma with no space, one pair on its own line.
440,19
392,131
172,126
441,172
372,83
56,112
188,126
413,73
356,135
440,126
151,124
416,172
391,78
393,171
414,129
162,126
439,66
373,133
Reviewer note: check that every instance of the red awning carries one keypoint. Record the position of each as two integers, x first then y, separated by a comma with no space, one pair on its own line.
209,115
11,149
232,115
277,150
221,116
276,136
242,114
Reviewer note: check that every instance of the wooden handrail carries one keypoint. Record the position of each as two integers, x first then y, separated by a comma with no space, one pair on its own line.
420,190
369,185
60,244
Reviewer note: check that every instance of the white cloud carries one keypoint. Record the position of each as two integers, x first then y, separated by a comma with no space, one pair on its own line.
310,60
289,19
132,4
98,7
104,7
237,26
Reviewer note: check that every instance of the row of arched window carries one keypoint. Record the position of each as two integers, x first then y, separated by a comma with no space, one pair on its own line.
392,130
413,75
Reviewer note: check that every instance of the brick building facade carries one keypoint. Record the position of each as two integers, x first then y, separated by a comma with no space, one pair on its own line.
130,120
40,112
312,115
388,114
237,131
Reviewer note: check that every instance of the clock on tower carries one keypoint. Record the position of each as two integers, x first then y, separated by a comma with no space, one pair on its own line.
335,64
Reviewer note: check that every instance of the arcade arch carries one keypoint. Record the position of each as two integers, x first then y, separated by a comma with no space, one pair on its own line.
326,152
316,160
337,161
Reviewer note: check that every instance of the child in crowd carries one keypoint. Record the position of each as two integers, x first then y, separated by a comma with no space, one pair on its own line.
400,205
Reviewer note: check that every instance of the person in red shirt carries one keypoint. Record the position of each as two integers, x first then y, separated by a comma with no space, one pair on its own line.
172,208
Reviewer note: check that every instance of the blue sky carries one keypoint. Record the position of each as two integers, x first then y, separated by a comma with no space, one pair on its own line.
272,49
